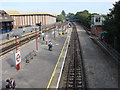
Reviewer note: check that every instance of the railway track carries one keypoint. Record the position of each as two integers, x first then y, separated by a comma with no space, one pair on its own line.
10,45
75,79
73,73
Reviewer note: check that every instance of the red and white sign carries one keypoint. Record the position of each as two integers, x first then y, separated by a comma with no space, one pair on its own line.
17,57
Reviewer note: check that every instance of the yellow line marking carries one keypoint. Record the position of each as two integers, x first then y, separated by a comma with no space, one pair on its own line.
48,86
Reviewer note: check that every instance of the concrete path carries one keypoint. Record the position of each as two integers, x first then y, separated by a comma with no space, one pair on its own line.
101,68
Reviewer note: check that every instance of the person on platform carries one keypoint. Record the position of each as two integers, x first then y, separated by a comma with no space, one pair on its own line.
8,36
50,45
23,30
10,83
43,36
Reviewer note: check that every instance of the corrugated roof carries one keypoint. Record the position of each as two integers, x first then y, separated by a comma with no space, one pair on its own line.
17,13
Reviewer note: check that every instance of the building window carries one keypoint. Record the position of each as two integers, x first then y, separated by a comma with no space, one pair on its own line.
97,19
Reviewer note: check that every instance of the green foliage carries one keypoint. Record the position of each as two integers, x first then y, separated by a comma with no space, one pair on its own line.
112,24
70,16
84,17
63,13
112,21
60,18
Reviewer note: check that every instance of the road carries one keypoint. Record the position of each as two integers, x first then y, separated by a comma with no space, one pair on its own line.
101,68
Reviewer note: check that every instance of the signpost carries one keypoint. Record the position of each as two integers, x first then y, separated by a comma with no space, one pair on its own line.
17,55
17,59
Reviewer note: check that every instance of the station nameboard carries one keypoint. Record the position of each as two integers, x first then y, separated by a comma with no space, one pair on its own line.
17,57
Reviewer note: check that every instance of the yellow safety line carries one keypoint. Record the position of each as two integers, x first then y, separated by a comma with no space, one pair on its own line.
48,86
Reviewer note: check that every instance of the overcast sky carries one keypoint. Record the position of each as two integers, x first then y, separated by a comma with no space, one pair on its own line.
56,6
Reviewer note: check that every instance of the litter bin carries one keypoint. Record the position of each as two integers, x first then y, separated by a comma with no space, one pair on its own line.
60,33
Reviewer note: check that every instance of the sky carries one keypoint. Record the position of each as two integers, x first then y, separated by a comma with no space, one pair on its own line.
55,7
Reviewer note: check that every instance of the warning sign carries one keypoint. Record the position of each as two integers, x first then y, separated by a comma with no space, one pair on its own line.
17,57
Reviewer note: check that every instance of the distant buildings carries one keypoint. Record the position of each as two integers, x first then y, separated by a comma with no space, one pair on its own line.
10,19
6,22
96,26
31,19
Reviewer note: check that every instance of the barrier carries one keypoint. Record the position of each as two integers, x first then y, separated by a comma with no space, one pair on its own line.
107,49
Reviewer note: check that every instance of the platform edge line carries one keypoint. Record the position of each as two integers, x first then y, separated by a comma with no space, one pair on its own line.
48,86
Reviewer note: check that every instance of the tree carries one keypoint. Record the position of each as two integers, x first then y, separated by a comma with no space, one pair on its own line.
84,18
63,13
60,18
70,16
112,25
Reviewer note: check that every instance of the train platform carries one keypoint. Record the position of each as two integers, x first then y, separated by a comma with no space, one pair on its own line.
100,68
15,32
19,32
36,73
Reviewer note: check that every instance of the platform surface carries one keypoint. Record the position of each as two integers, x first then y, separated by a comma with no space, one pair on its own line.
101,68
37,73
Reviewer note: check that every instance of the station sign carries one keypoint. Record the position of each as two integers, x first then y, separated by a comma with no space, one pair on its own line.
17,57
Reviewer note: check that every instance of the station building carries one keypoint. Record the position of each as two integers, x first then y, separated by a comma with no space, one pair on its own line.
6,22
96,26
31,19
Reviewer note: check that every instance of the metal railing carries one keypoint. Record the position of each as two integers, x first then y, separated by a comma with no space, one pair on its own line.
112,51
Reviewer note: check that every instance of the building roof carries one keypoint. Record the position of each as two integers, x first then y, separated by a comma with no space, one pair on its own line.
12,13
4,17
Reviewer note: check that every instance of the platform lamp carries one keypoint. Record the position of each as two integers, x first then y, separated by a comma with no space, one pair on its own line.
40,26
62,26
54,31
46,35
16,40
36,40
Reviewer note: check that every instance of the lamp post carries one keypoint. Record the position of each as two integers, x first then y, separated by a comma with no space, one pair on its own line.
46,38
16,40
41,27
36,40
54,32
